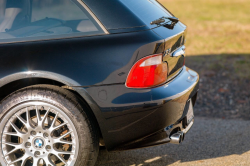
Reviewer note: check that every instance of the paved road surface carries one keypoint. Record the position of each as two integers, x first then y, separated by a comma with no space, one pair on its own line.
214,142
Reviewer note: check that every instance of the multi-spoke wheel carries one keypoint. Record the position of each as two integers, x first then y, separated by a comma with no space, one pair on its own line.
45,128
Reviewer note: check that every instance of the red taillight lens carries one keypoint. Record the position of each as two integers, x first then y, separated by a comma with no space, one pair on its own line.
148,72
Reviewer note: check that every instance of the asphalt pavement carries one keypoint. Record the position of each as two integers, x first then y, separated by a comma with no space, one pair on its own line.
215,142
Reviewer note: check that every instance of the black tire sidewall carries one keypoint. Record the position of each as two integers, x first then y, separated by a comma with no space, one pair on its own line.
65,101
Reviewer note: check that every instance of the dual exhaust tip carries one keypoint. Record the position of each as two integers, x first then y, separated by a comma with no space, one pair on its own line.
177,138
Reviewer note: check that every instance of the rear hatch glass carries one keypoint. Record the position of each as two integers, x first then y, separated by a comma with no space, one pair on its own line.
146,10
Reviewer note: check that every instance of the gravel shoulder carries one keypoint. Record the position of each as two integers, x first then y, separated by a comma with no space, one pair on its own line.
224,85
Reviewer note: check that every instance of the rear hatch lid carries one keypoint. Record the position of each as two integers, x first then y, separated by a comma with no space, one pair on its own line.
174,39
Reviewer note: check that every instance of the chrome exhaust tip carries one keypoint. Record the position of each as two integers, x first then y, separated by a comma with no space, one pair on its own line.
177,138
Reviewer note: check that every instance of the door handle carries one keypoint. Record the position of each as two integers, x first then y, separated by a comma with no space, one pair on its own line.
179,52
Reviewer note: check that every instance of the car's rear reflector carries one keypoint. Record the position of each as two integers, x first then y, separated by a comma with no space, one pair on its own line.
148,72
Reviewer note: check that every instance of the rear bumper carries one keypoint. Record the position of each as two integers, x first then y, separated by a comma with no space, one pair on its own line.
158,138
136,118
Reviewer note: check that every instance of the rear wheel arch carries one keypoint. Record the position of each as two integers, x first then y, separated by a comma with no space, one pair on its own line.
17,81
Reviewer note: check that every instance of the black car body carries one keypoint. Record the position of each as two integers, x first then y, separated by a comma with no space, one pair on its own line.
95,66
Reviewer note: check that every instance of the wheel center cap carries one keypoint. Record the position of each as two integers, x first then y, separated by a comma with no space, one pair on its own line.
38,143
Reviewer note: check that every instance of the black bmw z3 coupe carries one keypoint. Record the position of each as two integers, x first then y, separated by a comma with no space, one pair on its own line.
79,74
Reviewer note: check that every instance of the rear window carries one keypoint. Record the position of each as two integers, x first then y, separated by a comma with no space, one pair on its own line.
146,10
39,19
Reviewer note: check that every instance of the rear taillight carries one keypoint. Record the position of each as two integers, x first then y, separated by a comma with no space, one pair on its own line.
148,72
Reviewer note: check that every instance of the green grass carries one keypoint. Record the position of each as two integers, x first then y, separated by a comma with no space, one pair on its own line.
214,26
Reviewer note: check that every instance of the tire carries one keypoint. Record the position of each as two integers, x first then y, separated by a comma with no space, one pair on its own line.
47,108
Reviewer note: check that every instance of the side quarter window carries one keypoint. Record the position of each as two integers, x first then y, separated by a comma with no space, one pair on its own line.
42,19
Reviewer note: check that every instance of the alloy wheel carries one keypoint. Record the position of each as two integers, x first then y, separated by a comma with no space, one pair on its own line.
38,133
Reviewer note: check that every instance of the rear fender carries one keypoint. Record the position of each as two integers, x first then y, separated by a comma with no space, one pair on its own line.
69,84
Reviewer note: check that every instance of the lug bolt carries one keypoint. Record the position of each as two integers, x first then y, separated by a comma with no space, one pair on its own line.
27,144
48,147
33,133
37,153
45,135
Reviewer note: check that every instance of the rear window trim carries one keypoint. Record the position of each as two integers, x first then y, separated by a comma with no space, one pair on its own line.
89,12
49,38
165,8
